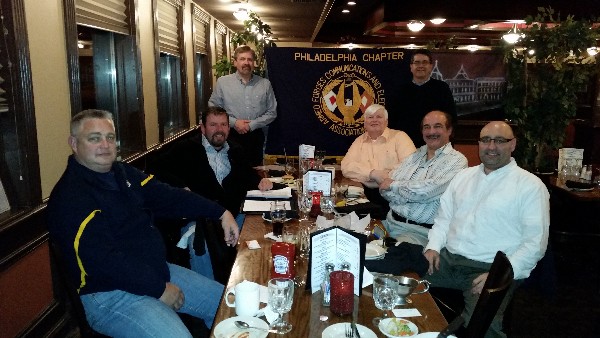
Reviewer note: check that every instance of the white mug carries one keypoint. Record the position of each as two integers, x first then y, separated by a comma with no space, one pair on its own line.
332,169
247,298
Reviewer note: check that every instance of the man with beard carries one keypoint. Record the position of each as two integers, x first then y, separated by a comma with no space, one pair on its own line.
250,102
495,206
422,95
210,165
379,148
414,187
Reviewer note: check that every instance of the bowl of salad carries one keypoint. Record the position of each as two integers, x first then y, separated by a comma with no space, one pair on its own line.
398,327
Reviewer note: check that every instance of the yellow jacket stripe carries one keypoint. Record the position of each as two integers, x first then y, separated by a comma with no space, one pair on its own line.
146,180
76,246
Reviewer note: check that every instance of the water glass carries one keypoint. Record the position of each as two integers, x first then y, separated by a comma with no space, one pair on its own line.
327,205
304,239
289,234
305,201
281,297
385,295
290,168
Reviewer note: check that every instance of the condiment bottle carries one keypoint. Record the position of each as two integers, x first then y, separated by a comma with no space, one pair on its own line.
326,285
283,260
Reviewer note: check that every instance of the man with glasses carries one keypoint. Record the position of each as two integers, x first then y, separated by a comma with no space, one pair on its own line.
422,95
414,187
495,206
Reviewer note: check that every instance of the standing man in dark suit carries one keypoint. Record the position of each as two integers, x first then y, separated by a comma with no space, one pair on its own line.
212,166
422,95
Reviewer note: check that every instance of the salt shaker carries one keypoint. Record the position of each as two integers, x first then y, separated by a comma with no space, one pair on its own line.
326,285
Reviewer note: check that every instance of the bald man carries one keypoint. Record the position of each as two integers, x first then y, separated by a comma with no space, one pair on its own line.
495,206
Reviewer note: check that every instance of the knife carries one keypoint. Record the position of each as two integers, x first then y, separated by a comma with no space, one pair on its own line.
452,327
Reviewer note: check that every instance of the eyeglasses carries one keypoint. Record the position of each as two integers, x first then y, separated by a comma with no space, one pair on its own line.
421,63
497,140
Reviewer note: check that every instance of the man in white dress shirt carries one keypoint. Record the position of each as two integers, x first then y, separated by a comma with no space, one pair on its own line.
495,206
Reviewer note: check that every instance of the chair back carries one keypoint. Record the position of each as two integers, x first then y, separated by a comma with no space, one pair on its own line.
71,291
496,286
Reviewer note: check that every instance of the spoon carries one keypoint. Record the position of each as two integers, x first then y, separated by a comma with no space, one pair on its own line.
243,325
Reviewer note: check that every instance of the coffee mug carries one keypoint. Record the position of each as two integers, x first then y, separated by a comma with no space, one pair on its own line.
247,298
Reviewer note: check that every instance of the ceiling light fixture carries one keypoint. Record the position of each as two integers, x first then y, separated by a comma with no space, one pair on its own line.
592,51
472,48
241,14
415,25
345,10
437,21
513,35
351,3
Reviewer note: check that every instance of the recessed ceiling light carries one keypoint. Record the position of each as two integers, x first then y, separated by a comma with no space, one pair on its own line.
415,25
345,11
412,37
351,3
437,21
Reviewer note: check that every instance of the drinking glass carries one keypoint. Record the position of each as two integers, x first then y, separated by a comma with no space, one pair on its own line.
319,157
281,297
327,206
385,294
304,239
289,234
277,216
304,204
289,167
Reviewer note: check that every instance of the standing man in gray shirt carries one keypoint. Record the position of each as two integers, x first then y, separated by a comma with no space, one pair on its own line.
250,101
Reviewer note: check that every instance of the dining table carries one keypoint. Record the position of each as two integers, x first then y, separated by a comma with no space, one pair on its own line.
307,315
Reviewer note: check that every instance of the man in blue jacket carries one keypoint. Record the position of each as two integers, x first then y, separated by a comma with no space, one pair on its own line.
101,215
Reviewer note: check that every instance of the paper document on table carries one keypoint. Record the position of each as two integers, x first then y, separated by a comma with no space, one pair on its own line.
278,193
406,312
253,206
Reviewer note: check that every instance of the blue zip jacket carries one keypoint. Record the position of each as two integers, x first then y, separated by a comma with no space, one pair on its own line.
104,226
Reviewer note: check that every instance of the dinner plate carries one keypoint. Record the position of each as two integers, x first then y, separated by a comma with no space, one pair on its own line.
339,331
431,335
373,251
268,219
583,189
227,328
388,324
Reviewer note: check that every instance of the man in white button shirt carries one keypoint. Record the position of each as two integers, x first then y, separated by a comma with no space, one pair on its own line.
495,206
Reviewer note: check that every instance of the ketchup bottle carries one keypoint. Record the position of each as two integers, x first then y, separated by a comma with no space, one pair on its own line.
283,260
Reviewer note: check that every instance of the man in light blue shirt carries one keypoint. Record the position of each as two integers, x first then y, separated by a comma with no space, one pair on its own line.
250,102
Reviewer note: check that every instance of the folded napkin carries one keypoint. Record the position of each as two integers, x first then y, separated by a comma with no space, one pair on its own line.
351,222
399,259
273,237
278,193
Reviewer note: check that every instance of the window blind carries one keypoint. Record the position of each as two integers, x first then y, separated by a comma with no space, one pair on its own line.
110,15
201,21
168,26
220,43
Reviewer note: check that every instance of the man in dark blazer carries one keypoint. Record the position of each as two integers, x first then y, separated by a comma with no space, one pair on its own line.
210,165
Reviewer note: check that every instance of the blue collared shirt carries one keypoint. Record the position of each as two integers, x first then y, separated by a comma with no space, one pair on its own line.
218,159
254,101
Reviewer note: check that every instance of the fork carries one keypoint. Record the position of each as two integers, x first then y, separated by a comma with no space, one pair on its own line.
349,331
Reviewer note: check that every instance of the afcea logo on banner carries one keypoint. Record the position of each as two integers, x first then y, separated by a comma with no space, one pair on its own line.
341,96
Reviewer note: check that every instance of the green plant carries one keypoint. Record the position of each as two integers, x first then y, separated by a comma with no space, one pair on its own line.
545,72
255,34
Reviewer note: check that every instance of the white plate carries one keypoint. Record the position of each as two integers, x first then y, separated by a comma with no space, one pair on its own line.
583,189
339,330
431,335
373,251
227,328
269,220
383,325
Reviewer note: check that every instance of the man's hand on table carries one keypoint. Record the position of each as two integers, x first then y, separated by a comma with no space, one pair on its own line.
433,257
242,126
172,296
379,175
265,184
478,283
230,228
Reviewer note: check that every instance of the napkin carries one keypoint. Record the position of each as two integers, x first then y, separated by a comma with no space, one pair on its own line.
253,244
354,190
277,193
273,237
367,278
406,312
351,222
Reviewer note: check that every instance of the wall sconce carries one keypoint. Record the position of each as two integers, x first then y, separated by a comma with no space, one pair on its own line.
513,35
241,14
415,25
437,21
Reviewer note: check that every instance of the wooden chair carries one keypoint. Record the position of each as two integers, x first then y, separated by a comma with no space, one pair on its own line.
72,296
497,284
